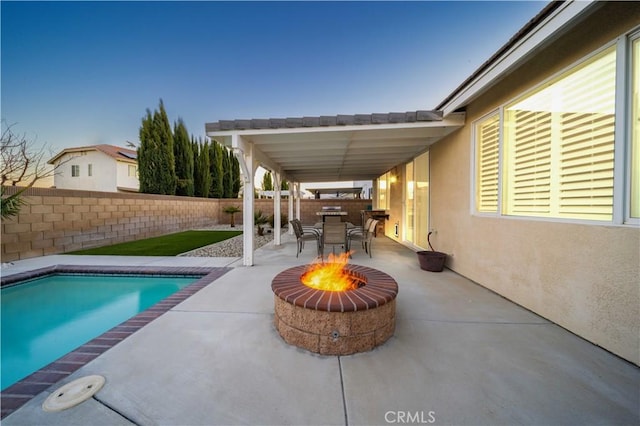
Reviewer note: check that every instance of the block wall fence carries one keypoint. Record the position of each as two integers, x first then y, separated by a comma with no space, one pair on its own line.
54,221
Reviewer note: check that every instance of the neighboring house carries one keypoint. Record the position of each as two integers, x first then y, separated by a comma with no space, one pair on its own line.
536,193
106,168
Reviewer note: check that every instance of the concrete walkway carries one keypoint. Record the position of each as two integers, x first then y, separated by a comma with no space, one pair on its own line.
460,355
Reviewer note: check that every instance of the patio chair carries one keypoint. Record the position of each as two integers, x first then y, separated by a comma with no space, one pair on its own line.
302,235
365,237
333,234
360,229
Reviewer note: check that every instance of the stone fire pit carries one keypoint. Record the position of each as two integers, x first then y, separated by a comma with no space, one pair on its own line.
335,322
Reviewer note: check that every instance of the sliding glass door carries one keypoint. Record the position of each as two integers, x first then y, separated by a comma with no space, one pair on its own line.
416,220
409,203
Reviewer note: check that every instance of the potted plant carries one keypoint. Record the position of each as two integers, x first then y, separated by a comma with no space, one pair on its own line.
260,220
232,210
432,260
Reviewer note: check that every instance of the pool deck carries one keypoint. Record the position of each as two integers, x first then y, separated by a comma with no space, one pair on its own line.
460,355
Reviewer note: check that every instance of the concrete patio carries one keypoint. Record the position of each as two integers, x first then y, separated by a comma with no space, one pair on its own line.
460,355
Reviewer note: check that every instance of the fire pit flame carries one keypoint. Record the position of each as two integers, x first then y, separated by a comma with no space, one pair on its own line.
330,276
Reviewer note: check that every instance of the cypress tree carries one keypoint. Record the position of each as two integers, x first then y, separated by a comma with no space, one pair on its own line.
267,182
146,156
156,164
166,160
215,169
227,168
201,173
236,176
184,157
197,175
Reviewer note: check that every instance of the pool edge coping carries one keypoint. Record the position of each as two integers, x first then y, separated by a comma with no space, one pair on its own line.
21,392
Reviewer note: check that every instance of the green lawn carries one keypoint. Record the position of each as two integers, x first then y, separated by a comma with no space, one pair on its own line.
166,245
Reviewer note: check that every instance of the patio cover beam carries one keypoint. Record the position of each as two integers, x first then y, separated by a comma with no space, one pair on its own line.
337,149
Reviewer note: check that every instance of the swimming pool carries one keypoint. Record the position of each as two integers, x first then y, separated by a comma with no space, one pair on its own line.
22,391
47,317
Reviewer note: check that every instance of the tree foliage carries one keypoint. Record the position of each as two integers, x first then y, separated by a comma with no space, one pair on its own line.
201,173
235,177
170,163
217,176
156,161
183,153
267,182
227,167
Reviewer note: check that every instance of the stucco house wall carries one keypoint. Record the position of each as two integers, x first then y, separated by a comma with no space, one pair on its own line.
124,181
584,277
109,169
104,177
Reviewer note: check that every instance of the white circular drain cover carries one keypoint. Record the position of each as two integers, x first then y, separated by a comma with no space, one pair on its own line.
73,393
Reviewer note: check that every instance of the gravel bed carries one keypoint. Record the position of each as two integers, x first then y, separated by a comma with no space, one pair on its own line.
231,247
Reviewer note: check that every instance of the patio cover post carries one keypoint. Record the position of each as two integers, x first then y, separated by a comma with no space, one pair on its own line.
277,225
244,153
291,188
298,201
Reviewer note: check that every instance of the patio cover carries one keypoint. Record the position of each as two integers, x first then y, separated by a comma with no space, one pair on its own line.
325,149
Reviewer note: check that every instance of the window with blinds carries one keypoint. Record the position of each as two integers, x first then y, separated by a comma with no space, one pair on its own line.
487,163
559,145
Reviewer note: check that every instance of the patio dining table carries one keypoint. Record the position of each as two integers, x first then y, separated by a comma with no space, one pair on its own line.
318,225
326,213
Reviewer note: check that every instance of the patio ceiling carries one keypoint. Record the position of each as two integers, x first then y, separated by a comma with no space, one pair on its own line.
337,148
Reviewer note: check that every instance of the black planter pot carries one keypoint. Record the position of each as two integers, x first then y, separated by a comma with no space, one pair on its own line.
432,261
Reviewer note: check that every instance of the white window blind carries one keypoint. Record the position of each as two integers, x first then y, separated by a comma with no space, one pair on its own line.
487,162
528,163
559,144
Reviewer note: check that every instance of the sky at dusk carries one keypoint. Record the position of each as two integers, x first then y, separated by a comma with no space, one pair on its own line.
84,73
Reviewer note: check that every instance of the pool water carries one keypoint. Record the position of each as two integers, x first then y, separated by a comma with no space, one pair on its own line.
45,318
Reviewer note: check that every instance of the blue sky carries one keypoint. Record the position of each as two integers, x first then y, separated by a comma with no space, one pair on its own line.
83,73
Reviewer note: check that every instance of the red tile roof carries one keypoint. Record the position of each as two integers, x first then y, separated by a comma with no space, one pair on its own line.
116,152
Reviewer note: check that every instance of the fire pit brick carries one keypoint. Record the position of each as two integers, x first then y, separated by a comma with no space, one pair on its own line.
335,322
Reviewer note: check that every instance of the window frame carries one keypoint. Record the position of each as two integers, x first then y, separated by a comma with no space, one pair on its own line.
75,170
626,99
621,208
